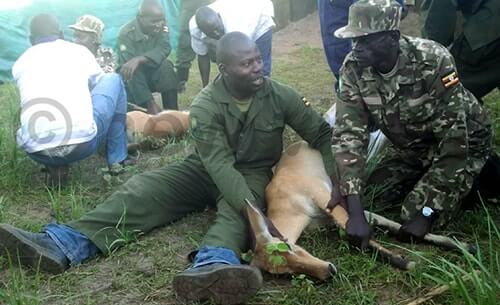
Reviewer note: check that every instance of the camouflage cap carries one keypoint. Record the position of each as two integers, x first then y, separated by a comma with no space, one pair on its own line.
89,23
371,16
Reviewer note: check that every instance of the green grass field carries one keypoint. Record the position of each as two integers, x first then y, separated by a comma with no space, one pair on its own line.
141,272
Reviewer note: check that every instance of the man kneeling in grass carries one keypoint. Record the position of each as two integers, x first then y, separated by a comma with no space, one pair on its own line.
69,106
237,124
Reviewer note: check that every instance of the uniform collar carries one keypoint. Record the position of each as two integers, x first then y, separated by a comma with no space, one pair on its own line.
221,95
138,35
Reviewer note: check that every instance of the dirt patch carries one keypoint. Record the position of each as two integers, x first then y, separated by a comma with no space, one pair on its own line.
298,34
306,32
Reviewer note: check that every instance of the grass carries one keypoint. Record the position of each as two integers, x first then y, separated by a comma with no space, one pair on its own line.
122,277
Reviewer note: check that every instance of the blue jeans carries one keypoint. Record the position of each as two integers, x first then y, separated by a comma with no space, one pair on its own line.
109,104
215,255
265,44
78,248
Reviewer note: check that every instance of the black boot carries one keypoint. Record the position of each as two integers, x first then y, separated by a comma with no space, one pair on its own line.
222,284
33,250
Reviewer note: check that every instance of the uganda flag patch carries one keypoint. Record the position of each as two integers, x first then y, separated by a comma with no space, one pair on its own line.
450,79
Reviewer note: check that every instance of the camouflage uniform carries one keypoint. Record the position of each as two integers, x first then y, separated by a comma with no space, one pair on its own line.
106,59
440,134
94,27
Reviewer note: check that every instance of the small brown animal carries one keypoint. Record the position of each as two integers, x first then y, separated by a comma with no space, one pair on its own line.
297,196
168,123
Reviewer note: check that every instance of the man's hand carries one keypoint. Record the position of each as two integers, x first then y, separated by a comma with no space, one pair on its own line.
128,69
335,197
415,228
358,230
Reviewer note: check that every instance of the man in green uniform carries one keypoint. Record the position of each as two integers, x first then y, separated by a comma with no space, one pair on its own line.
476,49
143,48
409,89
237,125
185,54
88,33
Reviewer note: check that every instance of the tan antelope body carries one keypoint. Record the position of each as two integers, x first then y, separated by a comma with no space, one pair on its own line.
168,123
294,196
298,195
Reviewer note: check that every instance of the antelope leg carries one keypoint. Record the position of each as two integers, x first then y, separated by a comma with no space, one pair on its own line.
437,240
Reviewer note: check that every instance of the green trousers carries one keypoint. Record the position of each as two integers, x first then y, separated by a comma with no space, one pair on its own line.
479,70
160,197
147,80
185,54
408,181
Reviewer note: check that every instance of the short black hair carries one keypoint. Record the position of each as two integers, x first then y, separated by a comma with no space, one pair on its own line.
229,45
44,25
147,5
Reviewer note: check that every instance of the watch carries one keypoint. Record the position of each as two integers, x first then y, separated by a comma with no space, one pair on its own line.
427,211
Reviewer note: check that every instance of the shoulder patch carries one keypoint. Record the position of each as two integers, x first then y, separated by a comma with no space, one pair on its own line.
165,29
450,79
306,102
123,47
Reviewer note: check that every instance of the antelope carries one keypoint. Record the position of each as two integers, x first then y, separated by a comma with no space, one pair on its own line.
167,123
297,196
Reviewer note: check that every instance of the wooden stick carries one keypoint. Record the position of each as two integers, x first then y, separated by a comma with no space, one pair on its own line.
137,107
440,290
437,240
340,216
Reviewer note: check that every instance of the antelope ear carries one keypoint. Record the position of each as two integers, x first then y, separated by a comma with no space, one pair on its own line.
258,224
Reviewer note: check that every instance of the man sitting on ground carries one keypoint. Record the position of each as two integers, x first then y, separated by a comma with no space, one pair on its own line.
68,105
143,48
237,125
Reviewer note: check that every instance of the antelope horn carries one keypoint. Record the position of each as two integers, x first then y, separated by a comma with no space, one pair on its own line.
434,239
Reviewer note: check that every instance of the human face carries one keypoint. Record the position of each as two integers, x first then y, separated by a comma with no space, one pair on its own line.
215,29
375,50
86,39
243,74
152,21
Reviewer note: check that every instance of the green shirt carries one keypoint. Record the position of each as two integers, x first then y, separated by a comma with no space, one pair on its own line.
243,105
230,142
133,42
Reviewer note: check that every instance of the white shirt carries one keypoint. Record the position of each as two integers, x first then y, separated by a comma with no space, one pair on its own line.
251,17
54,81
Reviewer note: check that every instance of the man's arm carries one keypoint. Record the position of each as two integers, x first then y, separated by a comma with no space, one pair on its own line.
204,67
350,143
161,50
350,135
217,156
449,127
439,18
308,124
201,49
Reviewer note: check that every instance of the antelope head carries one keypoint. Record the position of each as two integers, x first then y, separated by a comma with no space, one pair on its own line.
274,254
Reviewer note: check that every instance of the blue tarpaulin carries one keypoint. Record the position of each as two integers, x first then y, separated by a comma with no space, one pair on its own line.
14,22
